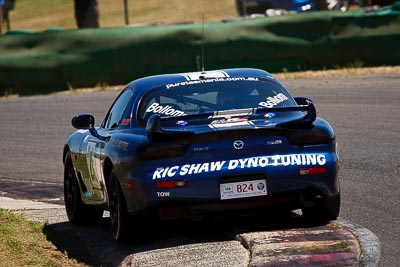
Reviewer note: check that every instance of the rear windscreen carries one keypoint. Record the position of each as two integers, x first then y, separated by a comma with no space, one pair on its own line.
203,96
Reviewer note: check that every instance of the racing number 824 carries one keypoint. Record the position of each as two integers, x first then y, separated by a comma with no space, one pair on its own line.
243,188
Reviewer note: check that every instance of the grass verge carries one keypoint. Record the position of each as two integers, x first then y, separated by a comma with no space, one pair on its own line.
344,72
38,15
23,243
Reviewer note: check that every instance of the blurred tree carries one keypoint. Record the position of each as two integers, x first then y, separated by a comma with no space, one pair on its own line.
86,13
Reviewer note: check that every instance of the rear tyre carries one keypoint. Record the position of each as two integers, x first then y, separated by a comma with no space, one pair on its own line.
323,211
77,211
120,219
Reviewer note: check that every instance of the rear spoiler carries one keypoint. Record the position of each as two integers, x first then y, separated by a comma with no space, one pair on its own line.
156,132
306,105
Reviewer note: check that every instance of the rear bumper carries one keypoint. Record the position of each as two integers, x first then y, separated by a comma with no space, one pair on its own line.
192,208
287,186
258,205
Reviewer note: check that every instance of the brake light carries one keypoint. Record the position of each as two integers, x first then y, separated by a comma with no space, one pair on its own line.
129,185
171,184
311,171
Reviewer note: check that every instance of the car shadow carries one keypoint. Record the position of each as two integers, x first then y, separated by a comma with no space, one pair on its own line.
94,245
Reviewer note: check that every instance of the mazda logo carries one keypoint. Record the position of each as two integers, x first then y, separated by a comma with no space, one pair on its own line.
238,144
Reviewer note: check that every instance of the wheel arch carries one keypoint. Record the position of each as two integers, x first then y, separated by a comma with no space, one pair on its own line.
65,151
76,175
107,168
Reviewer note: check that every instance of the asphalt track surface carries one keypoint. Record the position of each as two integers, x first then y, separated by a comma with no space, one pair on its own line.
364,111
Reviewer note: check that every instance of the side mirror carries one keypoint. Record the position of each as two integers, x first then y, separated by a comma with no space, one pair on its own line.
83,121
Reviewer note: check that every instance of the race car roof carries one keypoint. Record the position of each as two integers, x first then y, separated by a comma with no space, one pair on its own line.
149,82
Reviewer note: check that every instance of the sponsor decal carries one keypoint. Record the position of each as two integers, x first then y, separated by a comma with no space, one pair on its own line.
270,115
181,123
228,125
163,194
260,186
245,163
165,110
272,101
191,76
211,80
229,120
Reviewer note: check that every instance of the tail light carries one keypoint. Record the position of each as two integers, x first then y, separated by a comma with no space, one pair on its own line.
160,151
129,185
171,184
315,136
311,171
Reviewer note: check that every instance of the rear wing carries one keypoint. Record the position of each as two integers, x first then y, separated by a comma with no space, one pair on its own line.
159,129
